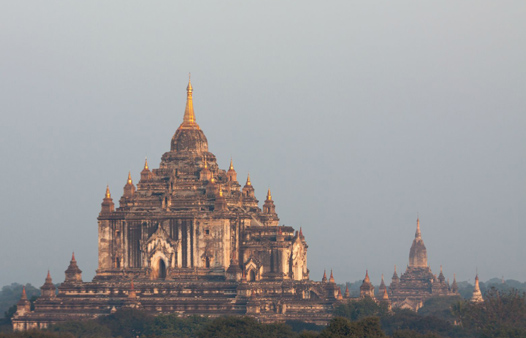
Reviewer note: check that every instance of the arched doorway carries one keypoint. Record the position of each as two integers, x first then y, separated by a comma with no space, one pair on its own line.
161,270
158,269
252,276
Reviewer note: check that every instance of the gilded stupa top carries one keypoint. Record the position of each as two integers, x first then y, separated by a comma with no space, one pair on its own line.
189,116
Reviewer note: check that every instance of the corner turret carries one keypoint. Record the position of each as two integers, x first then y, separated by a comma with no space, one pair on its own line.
231,173
107,205
366,289
24,305
48,290
73,273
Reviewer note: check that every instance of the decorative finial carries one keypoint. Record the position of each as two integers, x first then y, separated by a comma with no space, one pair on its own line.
331,278
73,256
220,191
418,234
231,164
395,268
145,163
301,232
269,196
206,163
440,268
189,116
129,177
24,295
108,195
189,88
248,180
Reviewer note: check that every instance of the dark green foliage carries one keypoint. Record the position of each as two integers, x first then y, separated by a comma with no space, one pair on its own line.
130,323
299,326
36,334
342,327
175,326
409,320
227,327
439,307
502,314
83,329
362,308
412,334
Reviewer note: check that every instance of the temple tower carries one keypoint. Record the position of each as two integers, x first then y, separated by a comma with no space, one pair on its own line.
418,252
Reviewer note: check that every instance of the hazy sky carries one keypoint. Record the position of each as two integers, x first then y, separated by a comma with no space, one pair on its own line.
357,114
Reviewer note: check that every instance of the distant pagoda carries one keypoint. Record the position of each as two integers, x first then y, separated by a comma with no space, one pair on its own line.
418,283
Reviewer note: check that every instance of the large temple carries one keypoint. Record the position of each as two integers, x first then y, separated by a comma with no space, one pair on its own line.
418,283
189,239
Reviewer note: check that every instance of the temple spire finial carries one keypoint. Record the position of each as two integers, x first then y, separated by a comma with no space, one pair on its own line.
189,115
231,164
108,194
129,177
248,180
418,234
146,163
269,195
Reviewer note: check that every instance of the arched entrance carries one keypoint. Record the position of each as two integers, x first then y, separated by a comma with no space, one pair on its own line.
161,269
252,275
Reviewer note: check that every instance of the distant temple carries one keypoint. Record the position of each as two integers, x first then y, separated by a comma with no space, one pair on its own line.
418,283
188,239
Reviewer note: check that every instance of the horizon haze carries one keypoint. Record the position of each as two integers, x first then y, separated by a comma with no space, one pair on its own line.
358,116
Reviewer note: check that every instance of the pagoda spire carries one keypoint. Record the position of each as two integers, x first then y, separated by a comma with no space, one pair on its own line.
248,180
331,278
189,116
146,163
231,164
108,194
418,234
324,278
477,295
129,178
269,195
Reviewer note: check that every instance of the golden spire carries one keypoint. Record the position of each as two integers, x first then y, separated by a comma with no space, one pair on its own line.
231,164
189,116
129,178
220,191
418,234
146,163
206,164
108,195
248,180
213,180
367,280
269,196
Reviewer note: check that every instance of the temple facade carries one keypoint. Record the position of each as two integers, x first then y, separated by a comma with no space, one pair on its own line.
189,239
418,282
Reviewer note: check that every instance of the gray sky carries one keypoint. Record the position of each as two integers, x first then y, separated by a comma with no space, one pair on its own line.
357,114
